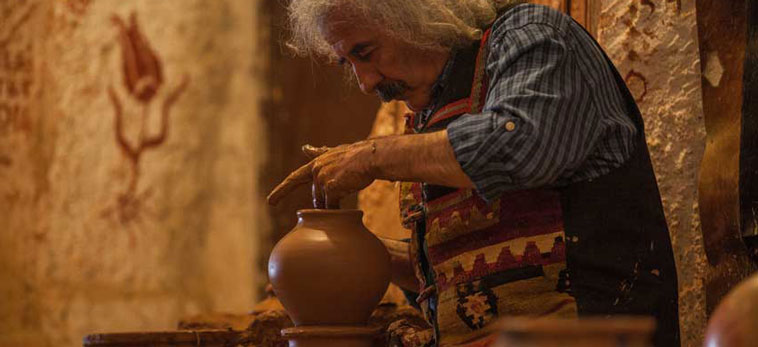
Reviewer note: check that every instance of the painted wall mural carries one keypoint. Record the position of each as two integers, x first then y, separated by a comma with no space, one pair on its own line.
129,193
78,7
16,73
143,79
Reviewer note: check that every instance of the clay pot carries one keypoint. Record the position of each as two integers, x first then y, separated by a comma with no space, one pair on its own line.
733,324
329,270
582,332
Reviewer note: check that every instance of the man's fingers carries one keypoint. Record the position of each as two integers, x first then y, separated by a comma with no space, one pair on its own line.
332,196
313,152
298,177
319,198
333,204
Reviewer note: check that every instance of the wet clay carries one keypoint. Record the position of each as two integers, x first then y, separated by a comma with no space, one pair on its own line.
329,273
733,324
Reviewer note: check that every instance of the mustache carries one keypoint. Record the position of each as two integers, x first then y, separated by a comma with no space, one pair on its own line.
391,90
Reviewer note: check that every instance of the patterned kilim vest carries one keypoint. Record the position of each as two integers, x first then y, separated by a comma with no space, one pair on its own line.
598,247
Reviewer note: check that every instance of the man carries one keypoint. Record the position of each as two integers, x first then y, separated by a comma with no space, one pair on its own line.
531,190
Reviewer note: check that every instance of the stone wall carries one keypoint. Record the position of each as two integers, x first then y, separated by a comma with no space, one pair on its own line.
130,146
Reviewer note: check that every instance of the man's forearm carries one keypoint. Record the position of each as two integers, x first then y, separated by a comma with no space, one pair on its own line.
419,158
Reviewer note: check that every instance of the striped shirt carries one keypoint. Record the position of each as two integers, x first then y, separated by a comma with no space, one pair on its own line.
553,114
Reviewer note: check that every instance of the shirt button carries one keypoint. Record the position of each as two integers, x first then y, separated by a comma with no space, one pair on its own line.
510,126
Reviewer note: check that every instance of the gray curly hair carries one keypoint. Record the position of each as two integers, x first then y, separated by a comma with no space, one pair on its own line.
431,24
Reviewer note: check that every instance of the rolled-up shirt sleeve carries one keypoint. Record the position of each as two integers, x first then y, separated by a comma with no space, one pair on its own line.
538,123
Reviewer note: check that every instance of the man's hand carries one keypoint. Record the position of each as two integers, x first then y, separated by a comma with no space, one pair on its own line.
334,173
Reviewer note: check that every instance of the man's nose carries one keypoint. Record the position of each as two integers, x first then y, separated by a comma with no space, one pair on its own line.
368,77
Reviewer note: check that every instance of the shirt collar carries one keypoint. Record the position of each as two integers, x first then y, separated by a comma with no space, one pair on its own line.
442,80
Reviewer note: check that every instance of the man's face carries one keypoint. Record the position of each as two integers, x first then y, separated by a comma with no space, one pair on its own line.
389,67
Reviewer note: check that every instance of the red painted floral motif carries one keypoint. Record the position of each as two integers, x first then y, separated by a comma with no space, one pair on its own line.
143,79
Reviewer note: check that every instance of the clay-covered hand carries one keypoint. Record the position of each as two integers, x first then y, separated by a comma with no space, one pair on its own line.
334,173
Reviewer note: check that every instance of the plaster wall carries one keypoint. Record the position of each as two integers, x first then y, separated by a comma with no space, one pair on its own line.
102,234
